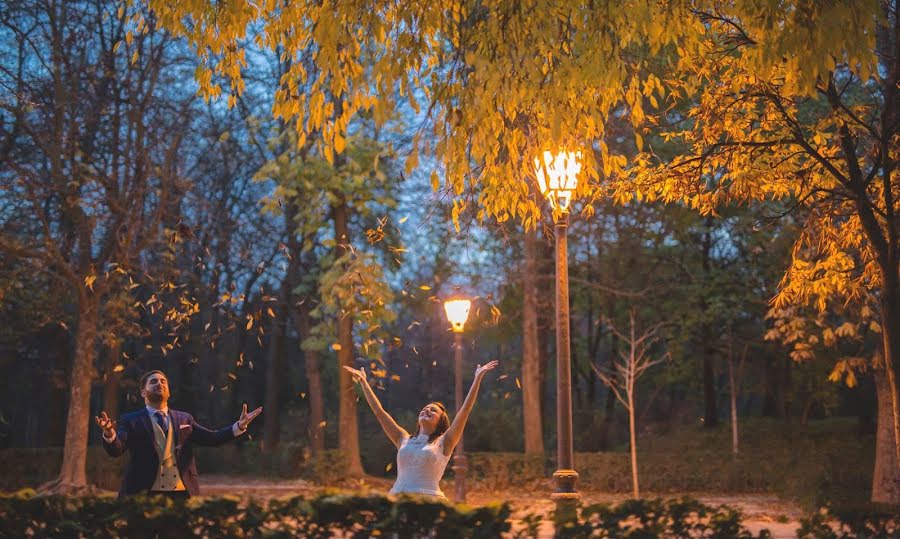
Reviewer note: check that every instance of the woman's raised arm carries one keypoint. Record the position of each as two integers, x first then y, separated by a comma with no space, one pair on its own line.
454,433
394,431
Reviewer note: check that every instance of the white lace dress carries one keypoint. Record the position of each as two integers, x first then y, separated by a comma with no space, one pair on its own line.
420,466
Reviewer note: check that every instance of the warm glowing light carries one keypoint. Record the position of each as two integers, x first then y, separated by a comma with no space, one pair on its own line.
557,177
457,313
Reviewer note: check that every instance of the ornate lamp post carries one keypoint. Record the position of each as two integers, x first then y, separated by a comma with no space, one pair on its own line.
557,176
457,313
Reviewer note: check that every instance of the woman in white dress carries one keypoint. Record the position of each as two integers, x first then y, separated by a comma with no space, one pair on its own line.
422,458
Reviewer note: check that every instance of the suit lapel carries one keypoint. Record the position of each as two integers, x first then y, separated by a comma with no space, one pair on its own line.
148,427
173,424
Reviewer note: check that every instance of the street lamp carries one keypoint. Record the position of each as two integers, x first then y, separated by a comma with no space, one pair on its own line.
557,176
457,313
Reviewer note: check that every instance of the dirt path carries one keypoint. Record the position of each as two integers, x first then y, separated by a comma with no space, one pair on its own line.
760,510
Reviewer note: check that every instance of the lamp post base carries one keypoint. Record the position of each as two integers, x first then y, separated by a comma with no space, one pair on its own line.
565,496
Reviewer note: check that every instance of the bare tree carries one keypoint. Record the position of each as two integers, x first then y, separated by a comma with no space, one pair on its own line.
622,376
91,154
735,376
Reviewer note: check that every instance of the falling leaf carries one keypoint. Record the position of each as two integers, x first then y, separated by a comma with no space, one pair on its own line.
249,321
403,220
302,395
395,378
119,368
232,376
89,281
425,287
336,347
271,312
388,467
322,424
518,384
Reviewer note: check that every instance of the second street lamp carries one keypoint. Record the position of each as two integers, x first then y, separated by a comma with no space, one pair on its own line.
557,176
457,313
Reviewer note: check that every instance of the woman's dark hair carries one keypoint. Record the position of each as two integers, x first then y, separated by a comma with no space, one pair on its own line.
442,426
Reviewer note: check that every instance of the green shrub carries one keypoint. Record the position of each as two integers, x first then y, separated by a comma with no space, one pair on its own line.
649,519
24,515
866,523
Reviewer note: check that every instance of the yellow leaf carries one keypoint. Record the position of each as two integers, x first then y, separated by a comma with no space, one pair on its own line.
435,181
322,424
425,287
89,281
119,368
412,162
336,347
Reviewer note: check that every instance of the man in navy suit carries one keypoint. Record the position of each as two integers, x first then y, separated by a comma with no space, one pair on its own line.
161,442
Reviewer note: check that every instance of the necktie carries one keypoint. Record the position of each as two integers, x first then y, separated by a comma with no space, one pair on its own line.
161,421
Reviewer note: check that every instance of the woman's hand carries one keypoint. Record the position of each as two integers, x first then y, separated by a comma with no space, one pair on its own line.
483,369
359,375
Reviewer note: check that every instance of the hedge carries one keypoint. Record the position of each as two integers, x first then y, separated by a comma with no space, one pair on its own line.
352,516
25,515
360,516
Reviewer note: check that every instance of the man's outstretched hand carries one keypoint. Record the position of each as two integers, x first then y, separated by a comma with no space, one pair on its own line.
107,424
245,419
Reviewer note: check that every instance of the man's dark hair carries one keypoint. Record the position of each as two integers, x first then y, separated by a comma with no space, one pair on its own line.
148,374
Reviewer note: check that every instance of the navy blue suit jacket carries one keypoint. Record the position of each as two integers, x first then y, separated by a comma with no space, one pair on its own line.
135,434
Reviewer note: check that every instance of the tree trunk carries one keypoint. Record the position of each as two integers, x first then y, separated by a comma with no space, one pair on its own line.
633,436
52,423
732,382
886,475
890,328
531,403
73,476
275,373
311,361
348,429
710,408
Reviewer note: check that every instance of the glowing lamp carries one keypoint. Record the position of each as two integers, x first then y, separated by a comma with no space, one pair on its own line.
557,176
457,313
